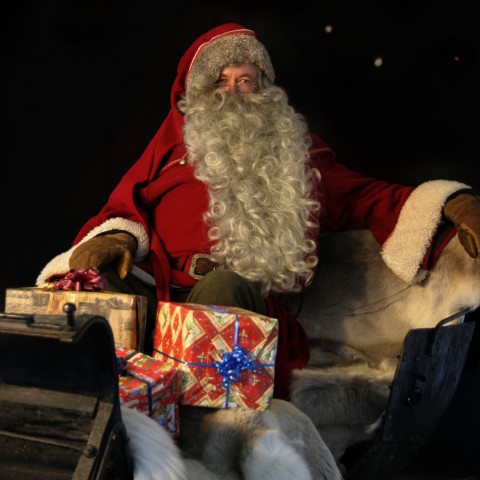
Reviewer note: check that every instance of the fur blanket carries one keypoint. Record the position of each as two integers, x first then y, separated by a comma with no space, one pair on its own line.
279,444
357,309
357,314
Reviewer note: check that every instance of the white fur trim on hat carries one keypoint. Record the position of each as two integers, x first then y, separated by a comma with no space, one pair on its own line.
405,249
235,48
60,263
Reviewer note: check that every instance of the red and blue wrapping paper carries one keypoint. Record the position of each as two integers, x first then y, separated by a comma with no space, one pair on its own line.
226,354
149,386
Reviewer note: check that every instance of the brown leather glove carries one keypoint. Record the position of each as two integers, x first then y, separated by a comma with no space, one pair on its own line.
464,211
101,251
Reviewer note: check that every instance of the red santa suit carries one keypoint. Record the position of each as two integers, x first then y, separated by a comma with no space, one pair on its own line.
161,203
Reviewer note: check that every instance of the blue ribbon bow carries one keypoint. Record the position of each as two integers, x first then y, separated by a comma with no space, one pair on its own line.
232,365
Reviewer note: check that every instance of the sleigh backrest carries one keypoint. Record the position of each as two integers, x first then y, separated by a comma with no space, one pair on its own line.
426,379
59,408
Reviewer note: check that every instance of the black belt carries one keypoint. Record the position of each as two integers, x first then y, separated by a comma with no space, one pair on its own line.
197,265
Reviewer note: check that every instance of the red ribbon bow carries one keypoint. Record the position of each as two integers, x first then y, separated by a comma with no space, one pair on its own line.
87,279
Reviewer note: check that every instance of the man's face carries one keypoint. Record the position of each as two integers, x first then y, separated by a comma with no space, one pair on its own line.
241,79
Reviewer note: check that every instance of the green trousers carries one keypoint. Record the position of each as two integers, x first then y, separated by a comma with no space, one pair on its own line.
218,287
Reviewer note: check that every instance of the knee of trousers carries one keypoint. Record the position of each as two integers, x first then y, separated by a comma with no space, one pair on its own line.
225,287
226,279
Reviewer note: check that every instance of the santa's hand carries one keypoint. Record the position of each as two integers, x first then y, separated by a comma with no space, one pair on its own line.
464,211
101,251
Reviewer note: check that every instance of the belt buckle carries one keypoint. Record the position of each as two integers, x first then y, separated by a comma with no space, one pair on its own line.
200,265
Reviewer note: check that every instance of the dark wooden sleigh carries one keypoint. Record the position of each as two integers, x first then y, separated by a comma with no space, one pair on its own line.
59,410
431,365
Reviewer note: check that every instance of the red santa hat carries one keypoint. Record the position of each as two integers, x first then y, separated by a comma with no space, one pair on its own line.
234,47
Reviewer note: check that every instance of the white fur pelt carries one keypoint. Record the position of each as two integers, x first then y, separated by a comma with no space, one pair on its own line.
357,314
281,443
154,453
345,403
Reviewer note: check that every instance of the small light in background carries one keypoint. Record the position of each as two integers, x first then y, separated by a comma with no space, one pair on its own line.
328,29
378,62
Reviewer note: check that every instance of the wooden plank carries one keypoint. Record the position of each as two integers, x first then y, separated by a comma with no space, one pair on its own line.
47,398
24,456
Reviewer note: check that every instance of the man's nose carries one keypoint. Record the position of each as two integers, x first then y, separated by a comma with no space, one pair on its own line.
231,88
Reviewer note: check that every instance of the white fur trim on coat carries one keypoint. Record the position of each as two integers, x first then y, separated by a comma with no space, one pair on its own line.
60,263
405,249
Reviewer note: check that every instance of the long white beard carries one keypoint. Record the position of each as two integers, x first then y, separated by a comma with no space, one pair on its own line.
251,150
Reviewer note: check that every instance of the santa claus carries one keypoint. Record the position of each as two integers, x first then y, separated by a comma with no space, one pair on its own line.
226,203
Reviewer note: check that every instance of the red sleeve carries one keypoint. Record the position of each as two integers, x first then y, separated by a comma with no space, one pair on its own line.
351,201
125,201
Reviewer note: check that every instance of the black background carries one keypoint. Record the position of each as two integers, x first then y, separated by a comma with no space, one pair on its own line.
89,84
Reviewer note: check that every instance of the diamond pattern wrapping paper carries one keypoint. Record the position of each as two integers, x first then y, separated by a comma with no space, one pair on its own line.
226,354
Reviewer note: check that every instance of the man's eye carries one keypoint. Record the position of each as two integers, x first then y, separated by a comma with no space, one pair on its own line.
242,85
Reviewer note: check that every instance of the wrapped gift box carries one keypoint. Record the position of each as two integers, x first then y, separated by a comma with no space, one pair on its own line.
226,354
150,386
125,313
